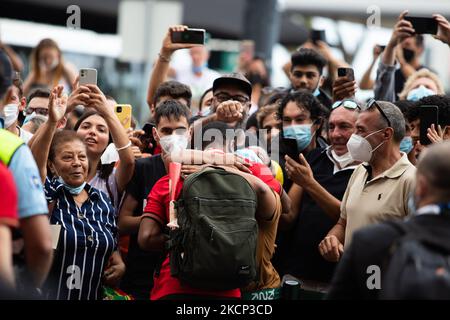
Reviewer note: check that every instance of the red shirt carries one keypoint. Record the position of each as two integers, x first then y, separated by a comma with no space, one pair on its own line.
8,198
165,284
265,174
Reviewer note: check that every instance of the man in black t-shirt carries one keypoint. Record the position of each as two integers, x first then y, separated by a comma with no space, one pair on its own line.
171,118
320,180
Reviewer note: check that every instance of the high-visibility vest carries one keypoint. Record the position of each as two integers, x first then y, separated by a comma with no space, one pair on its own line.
9,143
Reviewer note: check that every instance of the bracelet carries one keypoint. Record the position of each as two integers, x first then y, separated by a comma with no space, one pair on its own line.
125,146
163,58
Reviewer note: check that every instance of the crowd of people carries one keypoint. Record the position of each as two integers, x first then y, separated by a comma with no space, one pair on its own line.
91,210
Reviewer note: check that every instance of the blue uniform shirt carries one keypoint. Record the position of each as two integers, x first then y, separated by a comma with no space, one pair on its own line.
28,182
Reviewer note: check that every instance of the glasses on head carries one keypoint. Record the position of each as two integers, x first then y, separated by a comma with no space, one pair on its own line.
347,104
372,102
221,97
41,111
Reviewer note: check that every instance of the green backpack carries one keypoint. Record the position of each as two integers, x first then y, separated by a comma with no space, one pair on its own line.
215,246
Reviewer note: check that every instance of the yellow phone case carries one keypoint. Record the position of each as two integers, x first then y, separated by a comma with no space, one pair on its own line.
124,112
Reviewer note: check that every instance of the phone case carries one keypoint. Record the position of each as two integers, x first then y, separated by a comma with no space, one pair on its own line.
124,114
88,76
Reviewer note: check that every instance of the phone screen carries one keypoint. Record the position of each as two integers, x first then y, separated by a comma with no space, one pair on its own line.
147,139
428,115
423,25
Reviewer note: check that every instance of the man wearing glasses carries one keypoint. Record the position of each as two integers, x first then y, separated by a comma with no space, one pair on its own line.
320,180
230,104
378,189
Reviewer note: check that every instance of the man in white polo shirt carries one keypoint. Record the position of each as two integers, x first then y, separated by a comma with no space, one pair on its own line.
378,189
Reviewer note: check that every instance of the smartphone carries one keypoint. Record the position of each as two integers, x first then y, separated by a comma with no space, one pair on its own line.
124,112
381,47
147,138
195,36
346,72
88,76
423,24
317,35
428,115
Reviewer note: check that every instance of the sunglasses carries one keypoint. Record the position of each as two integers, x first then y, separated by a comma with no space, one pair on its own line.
348,104
372,102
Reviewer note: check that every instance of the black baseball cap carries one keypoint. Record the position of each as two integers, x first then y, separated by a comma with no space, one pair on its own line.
235,78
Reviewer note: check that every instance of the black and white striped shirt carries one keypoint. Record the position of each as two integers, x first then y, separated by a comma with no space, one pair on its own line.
87,240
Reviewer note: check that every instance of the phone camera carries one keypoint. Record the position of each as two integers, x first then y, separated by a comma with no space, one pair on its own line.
119,109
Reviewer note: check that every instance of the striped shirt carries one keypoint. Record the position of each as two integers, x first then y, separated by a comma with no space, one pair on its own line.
86,241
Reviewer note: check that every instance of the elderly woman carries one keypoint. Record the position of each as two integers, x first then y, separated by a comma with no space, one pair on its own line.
86,257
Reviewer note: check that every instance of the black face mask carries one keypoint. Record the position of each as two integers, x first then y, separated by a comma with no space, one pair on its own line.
408,54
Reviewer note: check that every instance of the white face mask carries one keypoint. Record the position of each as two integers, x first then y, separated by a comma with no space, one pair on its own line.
343,160
360,148
174,143
10,113
52,66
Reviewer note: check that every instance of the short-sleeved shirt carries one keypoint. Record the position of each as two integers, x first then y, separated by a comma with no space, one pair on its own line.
382,198
302,258
8,198
28,182
164,284
87,240
103,184
138,278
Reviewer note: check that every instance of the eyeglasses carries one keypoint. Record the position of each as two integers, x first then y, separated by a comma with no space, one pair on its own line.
372,102
347,104
221,97
41,111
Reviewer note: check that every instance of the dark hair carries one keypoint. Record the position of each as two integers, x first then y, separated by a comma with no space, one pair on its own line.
173,89
443,104
404,105
220,126
105,169
419,40
203,97
59,138
304,57
276,97
304,99
171,109
39,93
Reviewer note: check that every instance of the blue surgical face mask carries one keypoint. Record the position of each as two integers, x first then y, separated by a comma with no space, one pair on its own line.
316,92
72,190
418,93
406,145
301,133
198,69
29,117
